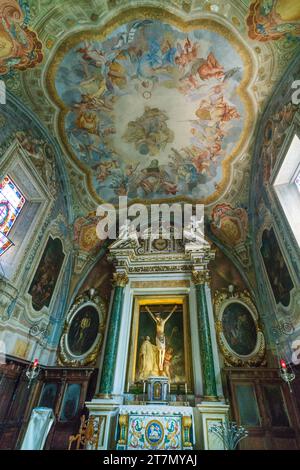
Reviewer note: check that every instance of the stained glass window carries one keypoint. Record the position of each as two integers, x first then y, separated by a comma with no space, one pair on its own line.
297,181
11,204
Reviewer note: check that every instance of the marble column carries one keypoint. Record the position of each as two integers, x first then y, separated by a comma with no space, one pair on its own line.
200,278
113,334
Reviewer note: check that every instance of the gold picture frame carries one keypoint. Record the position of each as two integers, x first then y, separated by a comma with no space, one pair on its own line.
239,334
162,300
90,313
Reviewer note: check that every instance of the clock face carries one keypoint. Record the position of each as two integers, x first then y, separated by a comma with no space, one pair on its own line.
160,244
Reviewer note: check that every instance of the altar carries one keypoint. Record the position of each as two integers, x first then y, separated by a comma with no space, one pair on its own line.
160,385
155,427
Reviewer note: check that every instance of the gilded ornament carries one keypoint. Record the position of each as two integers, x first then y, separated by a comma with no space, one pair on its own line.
201,277
120,279
80,344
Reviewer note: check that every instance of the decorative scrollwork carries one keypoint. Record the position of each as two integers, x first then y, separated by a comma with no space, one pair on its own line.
284,327
120,279
201,277
88,434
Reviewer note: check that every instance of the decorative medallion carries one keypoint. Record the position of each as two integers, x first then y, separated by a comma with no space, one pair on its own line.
160,244
83,333
239,335
153,109
229,224
154,433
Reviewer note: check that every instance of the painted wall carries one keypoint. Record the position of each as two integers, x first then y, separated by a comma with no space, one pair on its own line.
275,251
40,165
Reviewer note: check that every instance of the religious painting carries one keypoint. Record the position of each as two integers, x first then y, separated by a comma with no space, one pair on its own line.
247,404
275,405
276,268
20,48
238,332
70,402
160,341
84,329
192,112
48,395
269,20
47,273
239,328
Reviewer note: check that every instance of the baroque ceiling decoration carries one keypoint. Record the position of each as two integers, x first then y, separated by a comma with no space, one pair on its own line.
154,110
270,20
212,65
20,47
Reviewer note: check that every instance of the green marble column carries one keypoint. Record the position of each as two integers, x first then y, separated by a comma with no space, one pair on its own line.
111,347
206,351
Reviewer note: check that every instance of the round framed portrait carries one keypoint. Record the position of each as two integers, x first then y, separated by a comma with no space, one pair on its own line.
239,335
83,333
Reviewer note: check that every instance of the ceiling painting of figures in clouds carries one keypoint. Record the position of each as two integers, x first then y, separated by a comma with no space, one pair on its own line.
155,110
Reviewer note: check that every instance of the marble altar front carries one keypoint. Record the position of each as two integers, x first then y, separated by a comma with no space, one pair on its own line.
154,427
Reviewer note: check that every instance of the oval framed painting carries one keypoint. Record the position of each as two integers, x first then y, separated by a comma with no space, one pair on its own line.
239,335
82,337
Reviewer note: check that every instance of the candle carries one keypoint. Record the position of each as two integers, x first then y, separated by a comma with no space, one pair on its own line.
128,387
144,388
283,364
185,388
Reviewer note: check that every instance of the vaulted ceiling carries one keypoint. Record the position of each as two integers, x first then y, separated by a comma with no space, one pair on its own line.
154,100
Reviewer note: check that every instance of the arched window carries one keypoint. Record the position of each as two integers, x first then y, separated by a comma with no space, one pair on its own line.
11,203
287,185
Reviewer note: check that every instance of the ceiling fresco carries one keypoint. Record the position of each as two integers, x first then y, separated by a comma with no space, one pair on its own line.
153,110
156,100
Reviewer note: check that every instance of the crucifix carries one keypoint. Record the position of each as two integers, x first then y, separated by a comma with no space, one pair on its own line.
160,334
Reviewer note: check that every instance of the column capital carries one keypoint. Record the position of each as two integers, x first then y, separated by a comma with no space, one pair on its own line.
201,277
120,279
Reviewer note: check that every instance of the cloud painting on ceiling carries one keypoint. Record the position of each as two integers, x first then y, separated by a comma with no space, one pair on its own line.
154,111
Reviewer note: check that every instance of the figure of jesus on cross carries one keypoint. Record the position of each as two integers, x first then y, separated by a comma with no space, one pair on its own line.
160,334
